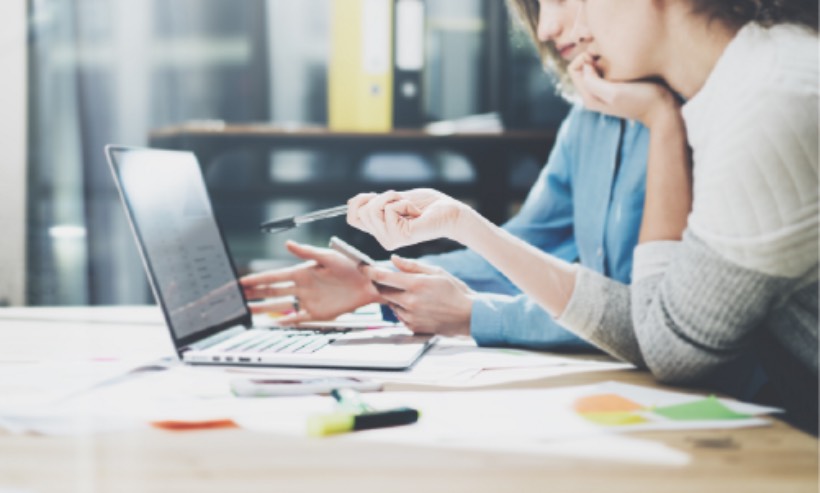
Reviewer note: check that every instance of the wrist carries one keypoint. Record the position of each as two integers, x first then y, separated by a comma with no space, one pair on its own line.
467,316
468,226
663,115
370,295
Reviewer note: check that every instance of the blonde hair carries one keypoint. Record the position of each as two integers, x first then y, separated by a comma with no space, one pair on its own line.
527,12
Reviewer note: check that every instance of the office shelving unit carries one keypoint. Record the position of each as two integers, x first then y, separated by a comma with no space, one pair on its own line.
468,69
127,72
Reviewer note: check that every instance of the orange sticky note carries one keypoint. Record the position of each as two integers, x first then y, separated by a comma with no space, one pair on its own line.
605,403
194,425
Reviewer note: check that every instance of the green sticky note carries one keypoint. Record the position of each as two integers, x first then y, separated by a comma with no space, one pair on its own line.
704,409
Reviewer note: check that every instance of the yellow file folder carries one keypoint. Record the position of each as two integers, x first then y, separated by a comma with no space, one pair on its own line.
360,76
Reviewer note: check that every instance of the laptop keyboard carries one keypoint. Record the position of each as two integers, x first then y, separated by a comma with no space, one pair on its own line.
283,341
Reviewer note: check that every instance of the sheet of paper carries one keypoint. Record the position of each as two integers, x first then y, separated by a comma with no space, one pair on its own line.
43,397
514,415
544,422
492,377
32,341
137,314
467,355
551,412
37,384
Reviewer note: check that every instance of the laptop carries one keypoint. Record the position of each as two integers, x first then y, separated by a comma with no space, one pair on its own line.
194,280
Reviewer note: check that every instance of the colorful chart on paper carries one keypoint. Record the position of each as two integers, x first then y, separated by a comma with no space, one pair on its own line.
616,410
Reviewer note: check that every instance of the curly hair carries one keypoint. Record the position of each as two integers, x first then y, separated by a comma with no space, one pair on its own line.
526,12
736,13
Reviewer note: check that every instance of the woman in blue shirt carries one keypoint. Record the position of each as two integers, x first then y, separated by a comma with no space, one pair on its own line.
586,205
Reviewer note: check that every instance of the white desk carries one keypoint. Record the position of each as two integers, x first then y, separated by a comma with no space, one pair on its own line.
770,459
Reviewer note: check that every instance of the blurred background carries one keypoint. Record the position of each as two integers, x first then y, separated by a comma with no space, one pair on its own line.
186,73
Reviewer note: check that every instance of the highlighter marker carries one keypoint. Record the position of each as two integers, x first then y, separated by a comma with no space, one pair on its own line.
330,424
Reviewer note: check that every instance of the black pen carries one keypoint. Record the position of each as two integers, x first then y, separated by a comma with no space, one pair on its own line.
357,415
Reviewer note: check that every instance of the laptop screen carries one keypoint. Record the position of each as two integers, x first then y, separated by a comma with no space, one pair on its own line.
180,241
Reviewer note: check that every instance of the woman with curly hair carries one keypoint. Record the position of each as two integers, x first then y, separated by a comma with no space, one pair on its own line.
727,261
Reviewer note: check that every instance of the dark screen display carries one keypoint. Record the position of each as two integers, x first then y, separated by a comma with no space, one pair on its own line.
180,239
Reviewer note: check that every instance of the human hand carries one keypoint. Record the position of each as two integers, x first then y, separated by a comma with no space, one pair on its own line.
398,219
644,101
426,299
327,285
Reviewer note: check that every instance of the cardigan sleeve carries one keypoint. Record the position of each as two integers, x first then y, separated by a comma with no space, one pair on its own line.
682,322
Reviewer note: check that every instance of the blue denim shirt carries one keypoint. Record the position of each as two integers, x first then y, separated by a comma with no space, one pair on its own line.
586,206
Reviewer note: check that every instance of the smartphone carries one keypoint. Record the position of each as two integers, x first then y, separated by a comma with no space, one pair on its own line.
350,251
269,387
354,254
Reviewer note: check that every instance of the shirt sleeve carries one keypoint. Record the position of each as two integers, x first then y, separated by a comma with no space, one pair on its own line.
502,320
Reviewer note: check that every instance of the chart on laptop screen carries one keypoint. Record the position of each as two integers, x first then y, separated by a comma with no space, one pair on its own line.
171,210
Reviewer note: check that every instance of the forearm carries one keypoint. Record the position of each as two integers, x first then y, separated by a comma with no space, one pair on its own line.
544,221
600,312
680,319
546,279
473,269
668,177
687,319
700,312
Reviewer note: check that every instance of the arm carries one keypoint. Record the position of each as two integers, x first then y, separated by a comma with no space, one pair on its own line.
545,219
694,304
674,326
429,300
668,178
669,195
551,283
398,219
538,223
751,242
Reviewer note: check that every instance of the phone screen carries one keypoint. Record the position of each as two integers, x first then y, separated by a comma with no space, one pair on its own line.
350,251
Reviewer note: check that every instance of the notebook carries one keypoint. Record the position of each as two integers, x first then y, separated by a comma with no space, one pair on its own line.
194,280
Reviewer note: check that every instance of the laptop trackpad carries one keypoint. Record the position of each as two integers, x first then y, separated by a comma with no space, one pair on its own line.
377,345
370,338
